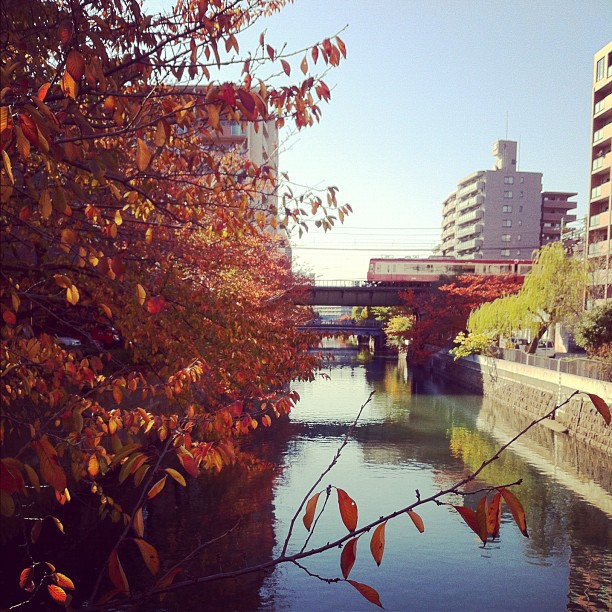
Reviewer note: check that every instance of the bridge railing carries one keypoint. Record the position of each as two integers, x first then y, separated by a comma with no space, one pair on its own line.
339,283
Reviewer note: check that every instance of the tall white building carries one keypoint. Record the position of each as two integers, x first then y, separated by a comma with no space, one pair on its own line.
599,217
501,213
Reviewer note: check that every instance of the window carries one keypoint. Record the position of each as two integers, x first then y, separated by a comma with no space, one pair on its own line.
522,179
509,180
518,237
505,252
600,70
507,208
506,237
522,194
521,208
507,223
507,194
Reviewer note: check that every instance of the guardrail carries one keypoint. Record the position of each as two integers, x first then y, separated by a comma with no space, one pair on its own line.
577,366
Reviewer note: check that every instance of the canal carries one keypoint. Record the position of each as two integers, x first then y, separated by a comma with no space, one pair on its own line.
416,433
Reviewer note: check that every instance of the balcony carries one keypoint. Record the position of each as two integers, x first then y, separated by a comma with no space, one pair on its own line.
601,164
471,216
602,134
473,201
475,186
603,107
600,220
601,192
468,245
599,248
469,229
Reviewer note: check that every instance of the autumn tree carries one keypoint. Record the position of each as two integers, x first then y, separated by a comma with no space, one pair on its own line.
553,292
442,312
122,207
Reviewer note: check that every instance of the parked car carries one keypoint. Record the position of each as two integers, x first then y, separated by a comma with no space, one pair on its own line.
545,348
519,343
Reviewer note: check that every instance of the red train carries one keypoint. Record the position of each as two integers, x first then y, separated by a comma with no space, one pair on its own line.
432,270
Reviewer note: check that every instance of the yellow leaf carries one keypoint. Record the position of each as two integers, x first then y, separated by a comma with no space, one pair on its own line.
69,86
72,295
118,218
213,116
149,555
177,476
310,511
44,204
149,236
93,466
58,524
141,293
7,165
156,488
138,523
143,155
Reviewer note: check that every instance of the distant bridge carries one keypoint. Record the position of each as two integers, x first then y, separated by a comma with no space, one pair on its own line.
367,327
354,293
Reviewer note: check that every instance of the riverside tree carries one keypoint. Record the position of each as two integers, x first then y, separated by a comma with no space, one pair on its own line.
553,292
118,212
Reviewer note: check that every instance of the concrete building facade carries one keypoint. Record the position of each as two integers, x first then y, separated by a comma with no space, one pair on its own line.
502,213
599,216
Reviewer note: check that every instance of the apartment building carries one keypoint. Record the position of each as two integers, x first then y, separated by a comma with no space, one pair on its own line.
599,216
502,213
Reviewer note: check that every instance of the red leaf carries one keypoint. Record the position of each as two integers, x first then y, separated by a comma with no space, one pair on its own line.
116,573
377,543
470,517
286,67
155,304
311,506
9,317
42,92
516,509
367,591
247,100
75,64
494,516
481,517
57,593
190,465
348,510
417,520
25,579
601,407
11,480
348,556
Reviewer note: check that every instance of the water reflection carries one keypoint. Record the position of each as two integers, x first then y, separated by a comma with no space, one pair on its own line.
417,433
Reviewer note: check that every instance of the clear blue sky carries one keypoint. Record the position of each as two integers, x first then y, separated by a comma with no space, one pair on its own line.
421,98
424,93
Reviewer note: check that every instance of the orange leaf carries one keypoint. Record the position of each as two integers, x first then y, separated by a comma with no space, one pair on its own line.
9,317
42,92
143,155
470,517
516,509
93,466
377,543
50,468
149,555
57,593
63,581
601,407
341,46
481,517
494,516
25,579
311,506
348,556
190,465
156,488
417,520
116,573
304,65
348,510
367,591
138,522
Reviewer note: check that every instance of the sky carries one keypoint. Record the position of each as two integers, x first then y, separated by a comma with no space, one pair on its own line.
425,91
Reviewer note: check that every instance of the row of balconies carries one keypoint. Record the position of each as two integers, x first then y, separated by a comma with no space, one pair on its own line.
602,163
602,134
603,107
469,229
473,201
599,248
468,245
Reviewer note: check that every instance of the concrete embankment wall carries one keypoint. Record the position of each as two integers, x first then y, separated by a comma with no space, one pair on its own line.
535,391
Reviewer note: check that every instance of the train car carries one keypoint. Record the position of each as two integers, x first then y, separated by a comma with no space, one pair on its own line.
415,271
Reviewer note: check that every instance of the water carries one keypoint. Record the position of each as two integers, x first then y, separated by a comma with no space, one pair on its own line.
416,433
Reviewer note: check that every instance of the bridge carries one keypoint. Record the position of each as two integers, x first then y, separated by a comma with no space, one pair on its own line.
371,328
354,293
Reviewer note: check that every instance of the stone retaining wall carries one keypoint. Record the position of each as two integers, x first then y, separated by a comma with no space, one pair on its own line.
533,392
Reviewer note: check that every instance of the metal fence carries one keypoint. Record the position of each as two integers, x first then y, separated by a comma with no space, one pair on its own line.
579,366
